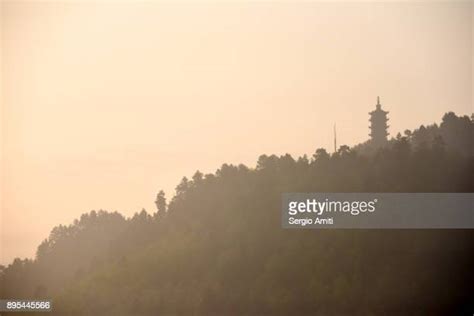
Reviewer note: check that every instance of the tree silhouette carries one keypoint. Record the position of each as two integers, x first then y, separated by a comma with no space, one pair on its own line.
161,204
222,251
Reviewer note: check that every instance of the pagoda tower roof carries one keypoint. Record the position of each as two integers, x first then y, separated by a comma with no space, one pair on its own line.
378,108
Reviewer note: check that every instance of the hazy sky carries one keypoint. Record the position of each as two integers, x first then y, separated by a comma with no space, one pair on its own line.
105,104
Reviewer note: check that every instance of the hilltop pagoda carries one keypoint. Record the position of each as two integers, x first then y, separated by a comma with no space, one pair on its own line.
378,125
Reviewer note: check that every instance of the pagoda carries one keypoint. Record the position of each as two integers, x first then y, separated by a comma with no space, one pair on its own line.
378,125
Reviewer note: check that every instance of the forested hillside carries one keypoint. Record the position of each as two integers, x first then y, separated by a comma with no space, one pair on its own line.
217,247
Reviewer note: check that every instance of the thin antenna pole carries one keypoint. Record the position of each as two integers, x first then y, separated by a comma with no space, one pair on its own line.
335,138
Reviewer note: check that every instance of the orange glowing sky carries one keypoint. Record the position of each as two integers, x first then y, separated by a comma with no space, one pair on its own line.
103,104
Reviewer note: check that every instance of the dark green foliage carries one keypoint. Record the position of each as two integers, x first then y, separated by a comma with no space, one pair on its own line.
161,204
220,249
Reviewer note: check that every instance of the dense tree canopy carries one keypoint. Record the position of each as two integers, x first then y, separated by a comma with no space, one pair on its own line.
217,248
